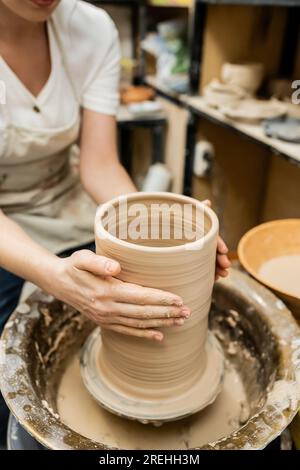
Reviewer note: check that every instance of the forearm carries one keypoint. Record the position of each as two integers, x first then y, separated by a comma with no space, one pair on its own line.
102,176
107,181
22,256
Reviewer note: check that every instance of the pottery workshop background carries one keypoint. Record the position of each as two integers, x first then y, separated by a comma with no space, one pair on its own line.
111,342
250,172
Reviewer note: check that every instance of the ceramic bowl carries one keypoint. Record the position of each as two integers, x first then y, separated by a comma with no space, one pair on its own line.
217,94
248,76
253,111
267,241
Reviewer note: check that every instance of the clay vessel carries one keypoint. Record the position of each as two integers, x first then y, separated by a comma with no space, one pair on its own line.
148,380
247,75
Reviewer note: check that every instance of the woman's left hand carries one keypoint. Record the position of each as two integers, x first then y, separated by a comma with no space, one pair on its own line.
222,262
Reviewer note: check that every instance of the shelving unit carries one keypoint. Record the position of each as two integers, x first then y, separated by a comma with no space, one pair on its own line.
290,151
163,90
129,127
138,26
197,106
254,177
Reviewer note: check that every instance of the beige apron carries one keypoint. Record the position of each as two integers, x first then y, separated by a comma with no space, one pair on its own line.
39,183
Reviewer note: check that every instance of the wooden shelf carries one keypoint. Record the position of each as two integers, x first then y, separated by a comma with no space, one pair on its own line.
153,82
124,116
255,133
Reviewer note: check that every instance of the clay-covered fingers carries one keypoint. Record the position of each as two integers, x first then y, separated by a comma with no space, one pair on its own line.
207,202
222,266
138,332
145,312
223,263
143,324
222,272
133,294
222,247
86,260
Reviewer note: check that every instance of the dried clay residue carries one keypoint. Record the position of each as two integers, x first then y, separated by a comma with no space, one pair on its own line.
220,419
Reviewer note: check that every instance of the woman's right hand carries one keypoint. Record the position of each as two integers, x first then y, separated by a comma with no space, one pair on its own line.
86,281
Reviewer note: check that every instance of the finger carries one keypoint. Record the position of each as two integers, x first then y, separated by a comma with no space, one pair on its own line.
134,294
221,247
126,330
222,272
98,265
149,311
223,262
143,324
207,202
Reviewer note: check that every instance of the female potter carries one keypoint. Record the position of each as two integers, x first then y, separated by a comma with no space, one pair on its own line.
59,63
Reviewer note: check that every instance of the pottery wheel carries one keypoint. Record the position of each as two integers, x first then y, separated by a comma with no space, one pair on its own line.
201,394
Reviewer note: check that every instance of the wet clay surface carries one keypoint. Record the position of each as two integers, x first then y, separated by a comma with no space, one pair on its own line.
283,272
224,416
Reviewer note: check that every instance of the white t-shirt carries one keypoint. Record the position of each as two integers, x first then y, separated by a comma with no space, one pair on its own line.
85,58
91,43
37,188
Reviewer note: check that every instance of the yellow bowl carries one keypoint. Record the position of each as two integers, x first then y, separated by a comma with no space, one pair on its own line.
267,241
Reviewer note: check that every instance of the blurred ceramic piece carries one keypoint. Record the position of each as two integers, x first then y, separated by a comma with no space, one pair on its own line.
293,110
248,76
253,110
171,29
216,85
178,83
285,128
145,108
158,178
218,94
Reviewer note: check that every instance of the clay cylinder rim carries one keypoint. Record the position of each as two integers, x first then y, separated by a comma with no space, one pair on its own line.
102,233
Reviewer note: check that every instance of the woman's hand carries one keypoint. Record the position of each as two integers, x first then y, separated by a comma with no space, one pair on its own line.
222,263
85,281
